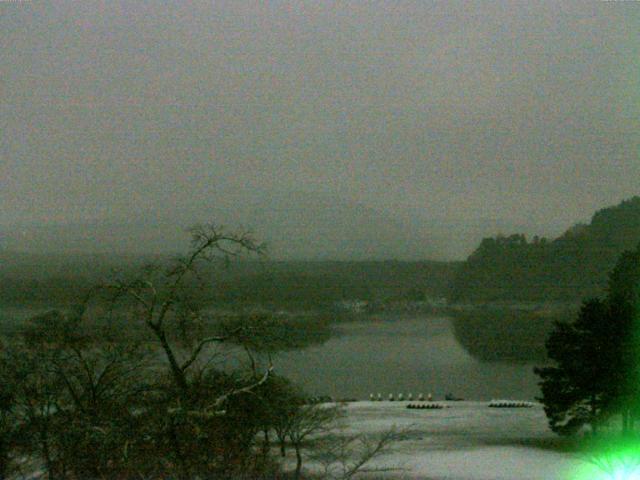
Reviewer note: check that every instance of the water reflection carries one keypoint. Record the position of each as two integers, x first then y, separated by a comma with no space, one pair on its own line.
400,356
389,355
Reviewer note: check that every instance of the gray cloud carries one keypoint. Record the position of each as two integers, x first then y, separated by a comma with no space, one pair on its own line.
438,116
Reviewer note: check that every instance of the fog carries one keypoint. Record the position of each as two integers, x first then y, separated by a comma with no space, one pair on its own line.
333,129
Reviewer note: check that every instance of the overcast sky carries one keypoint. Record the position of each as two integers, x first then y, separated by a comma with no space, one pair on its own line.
522,113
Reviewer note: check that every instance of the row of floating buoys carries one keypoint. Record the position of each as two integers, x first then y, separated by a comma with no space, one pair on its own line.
510,404
426,406
400,397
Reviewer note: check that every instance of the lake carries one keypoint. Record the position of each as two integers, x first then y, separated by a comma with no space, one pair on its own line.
393,354
401,355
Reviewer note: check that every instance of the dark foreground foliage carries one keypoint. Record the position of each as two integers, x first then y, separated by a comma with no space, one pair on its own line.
596,371
77,404
83,399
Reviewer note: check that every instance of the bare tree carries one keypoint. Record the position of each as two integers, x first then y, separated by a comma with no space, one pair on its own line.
308,421
8,413
90,404
194,426
162,299
77,387
316,430
342,456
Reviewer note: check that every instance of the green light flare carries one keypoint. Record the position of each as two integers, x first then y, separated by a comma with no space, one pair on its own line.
591,472
612,459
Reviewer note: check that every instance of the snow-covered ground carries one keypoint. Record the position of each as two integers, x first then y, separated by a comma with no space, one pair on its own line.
466,441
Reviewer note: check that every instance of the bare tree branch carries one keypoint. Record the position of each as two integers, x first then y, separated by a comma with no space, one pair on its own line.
248,389
196,352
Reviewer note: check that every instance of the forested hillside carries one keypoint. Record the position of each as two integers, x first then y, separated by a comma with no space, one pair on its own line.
61,280
567,269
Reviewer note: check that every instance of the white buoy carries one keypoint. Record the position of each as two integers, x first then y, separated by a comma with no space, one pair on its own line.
371,397
400,397
410,397
429,397
379,397
421,397
391,397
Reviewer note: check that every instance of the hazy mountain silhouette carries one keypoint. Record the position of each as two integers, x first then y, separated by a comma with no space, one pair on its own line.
294,225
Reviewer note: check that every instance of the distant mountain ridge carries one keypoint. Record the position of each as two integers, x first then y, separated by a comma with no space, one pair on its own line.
295,226
567,269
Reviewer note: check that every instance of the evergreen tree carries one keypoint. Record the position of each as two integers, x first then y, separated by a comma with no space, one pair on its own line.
573,391
597,357
624,310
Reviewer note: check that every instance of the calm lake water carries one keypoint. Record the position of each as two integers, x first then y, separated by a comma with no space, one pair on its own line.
394,354
402,355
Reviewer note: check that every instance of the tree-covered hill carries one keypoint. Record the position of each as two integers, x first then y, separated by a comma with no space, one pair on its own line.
567,269
32,280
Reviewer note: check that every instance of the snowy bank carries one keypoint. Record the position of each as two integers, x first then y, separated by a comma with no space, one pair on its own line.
466,441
